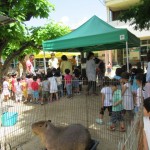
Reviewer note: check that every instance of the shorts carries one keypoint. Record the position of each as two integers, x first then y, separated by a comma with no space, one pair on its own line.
35,94
109,108
45,94
116,116
75,83
30,91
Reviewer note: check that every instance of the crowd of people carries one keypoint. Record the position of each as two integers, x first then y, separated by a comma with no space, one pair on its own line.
123,94
38,88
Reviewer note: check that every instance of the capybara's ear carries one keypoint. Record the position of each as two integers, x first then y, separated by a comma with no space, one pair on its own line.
49,121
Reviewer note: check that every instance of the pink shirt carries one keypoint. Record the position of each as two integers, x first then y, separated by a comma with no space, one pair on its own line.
68,78
29,66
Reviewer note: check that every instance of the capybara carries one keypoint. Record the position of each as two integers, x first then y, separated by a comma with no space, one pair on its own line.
72,137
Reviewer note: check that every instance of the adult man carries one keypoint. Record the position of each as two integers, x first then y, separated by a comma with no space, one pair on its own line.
29,65
53,62
91,73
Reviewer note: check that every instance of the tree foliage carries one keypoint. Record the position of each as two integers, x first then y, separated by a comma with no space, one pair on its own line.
138,15
16,39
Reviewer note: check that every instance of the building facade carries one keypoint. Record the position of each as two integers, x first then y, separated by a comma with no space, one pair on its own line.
114,8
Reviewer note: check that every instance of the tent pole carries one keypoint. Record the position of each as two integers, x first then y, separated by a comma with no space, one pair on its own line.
127,55
44,63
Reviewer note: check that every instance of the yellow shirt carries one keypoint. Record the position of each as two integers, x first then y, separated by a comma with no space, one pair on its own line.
65,65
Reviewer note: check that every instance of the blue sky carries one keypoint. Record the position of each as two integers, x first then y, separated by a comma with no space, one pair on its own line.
73,12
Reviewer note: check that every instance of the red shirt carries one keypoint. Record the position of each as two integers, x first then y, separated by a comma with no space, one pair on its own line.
34,86
68,78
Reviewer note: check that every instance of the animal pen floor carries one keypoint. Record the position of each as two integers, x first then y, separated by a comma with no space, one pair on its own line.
78,109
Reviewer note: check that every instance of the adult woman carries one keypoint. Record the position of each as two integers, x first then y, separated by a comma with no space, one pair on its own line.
65,64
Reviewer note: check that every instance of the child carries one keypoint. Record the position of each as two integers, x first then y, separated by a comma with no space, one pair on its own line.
24,88
76,75
68,82
146,120
18,90
35,89
106,97
29,89
134,85
127,95
139,98
53,86
118,74
116,107
59,83
45,85
6,92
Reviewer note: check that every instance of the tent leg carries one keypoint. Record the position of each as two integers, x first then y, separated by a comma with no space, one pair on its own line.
44,63
127,55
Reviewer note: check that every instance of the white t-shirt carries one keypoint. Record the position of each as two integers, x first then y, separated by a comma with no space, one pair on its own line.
18,87
146,121
107,91
53,63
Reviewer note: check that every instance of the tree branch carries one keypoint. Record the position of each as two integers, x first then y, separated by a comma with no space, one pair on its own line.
13,55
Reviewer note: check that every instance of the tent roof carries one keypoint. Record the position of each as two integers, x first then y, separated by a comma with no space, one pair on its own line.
93,35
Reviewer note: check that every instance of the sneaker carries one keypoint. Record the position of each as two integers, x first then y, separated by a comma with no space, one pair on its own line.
111,128
99,121
122,129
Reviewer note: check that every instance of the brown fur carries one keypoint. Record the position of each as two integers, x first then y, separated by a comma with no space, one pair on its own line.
72,137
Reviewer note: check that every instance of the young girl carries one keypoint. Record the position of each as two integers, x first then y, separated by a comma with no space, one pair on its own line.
45,85
134,84
146,120
127,94
117,107
18,90
59,83
53,86
35,90
106,97
68,82
6,92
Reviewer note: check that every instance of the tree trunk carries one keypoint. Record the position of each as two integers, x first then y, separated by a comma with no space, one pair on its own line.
14,54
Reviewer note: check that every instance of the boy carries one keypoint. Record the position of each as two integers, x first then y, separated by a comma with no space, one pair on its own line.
116,107
35,90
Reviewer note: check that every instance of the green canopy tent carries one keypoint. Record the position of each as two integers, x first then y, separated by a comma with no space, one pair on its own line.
93,35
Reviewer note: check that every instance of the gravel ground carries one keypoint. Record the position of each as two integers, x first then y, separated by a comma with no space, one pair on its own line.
78,109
